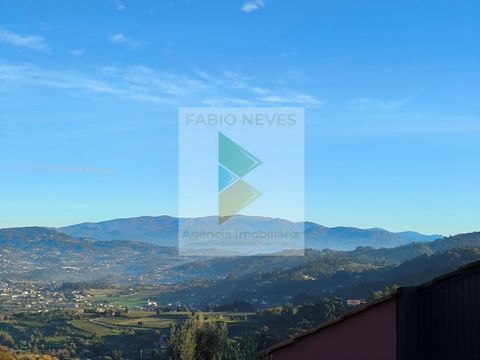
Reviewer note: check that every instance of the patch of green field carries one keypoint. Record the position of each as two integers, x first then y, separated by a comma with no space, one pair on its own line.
102,292
123,301
92,328
56,339
177,313
211,313
113,296
30,323
76,331
141,320
12,326
138,313
148,322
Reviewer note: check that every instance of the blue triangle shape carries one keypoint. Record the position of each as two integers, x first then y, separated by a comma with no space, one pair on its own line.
225,178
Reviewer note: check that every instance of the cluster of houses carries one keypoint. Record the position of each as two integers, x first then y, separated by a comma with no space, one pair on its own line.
21,296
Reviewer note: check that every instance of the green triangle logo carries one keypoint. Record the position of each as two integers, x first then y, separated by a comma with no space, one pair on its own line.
234,157
234,193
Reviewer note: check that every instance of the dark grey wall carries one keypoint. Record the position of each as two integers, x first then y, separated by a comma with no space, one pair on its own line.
441,320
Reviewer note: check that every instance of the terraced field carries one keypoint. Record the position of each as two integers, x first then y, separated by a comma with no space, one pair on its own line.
88,326
136,323
148,320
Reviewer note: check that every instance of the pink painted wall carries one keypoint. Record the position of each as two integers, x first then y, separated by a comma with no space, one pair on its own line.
367,335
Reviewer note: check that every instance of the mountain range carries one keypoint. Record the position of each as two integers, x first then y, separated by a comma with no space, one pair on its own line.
163,231
46,253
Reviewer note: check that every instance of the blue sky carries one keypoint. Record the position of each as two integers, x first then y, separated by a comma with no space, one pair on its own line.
89,92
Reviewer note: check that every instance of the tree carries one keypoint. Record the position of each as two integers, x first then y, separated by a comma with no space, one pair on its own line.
6,355
7,340
198,338
385,292
116,355
244,348
333,308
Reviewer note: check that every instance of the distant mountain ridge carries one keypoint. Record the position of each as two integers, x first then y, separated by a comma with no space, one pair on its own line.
162,230
45,253
159,230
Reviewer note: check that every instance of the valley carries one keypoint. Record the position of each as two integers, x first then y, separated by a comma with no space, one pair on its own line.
73,296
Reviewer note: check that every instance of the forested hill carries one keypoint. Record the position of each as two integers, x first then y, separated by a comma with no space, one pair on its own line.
346,274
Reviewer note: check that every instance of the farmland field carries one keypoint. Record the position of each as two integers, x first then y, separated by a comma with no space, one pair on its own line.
95,329
136,323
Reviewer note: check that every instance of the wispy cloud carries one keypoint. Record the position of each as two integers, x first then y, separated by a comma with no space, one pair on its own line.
122,39
145,84
252,5
294,99
29,75
32,42
119,5
228,101
253,93
367,103
243,83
